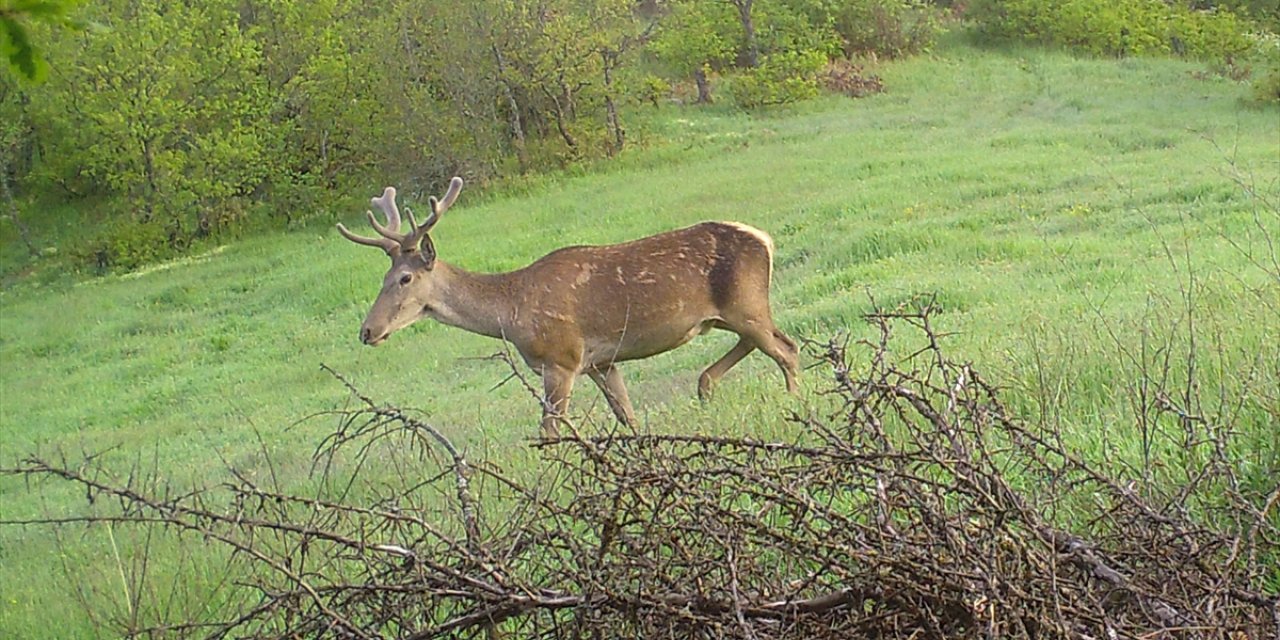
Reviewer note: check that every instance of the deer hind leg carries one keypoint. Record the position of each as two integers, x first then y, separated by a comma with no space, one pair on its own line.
609,379
767,338
784,351
722,366
557,385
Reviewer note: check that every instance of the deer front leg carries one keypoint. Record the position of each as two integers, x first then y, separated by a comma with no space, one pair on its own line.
557,385
609,379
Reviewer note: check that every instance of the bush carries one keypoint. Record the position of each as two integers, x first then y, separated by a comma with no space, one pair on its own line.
844,77
890,28
1115,27
866,523
654,90
128,244
781,78
1266,83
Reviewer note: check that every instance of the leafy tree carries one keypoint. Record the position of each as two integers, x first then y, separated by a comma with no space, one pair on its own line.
695,37
188,116
749,54
16,45
887,28
324,68
557,65
166,107
13,134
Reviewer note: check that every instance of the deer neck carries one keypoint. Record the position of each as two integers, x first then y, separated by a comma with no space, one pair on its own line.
477,302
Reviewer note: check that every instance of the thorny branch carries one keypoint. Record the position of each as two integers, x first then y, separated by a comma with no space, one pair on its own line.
919,506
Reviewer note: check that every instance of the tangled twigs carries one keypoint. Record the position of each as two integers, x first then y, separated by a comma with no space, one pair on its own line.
916,505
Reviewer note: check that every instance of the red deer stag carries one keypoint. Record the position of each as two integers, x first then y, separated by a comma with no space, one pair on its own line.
585,309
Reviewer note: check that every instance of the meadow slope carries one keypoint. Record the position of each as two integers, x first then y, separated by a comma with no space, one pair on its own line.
1065,213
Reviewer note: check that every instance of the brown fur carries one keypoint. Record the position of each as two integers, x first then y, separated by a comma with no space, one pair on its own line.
583,309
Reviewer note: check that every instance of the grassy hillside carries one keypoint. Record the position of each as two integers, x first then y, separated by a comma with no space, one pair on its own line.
1065,213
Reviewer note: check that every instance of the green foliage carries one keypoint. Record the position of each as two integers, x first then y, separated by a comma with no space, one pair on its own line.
790,35
1266,13
182,139
128,244
1266,84
696,34
315,53
16,45
781,78
796,26
196,112
653,89
1116,27
887,28
1213,35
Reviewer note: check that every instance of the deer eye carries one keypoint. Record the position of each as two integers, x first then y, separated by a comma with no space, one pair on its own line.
406,279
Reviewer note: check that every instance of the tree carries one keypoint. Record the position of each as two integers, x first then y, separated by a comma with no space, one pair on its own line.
693,38
12,134
324,63
16,45
749,54
165,107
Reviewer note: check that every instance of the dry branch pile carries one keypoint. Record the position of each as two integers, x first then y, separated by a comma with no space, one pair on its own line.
921,508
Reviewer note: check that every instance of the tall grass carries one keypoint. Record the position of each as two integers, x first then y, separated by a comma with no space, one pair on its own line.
1071,217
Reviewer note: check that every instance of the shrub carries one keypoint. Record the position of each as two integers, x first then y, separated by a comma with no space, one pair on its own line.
890,28
842,76
654,90
1266,83
1215,35
1115,27
781,78
128,244
1266,89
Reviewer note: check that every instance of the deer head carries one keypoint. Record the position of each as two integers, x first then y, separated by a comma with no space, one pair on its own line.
408,289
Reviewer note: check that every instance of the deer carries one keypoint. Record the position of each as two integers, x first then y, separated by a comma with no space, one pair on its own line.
585,309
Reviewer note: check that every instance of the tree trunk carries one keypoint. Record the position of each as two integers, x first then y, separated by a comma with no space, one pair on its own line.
7,194
704,87
750,54
517,127
610,59
561,125
149,172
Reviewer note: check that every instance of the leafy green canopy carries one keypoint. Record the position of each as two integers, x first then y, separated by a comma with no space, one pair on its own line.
16,44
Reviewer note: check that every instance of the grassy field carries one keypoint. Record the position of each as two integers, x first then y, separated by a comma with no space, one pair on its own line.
1076,220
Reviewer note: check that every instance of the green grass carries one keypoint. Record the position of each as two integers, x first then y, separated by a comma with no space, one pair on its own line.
1049,203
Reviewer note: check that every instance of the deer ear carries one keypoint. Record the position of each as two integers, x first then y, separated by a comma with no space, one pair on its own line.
428,251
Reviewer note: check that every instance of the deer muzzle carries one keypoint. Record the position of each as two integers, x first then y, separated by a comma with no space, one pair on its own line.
368,337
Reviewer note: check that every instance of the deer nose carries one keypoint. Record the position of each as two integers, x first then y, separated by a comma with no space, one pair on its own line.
371,338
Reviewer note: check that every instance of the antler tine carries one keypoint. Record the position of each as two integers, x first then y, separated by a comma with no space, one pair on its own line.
387,203
415,236
392,240
382,243
439,206
455,187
